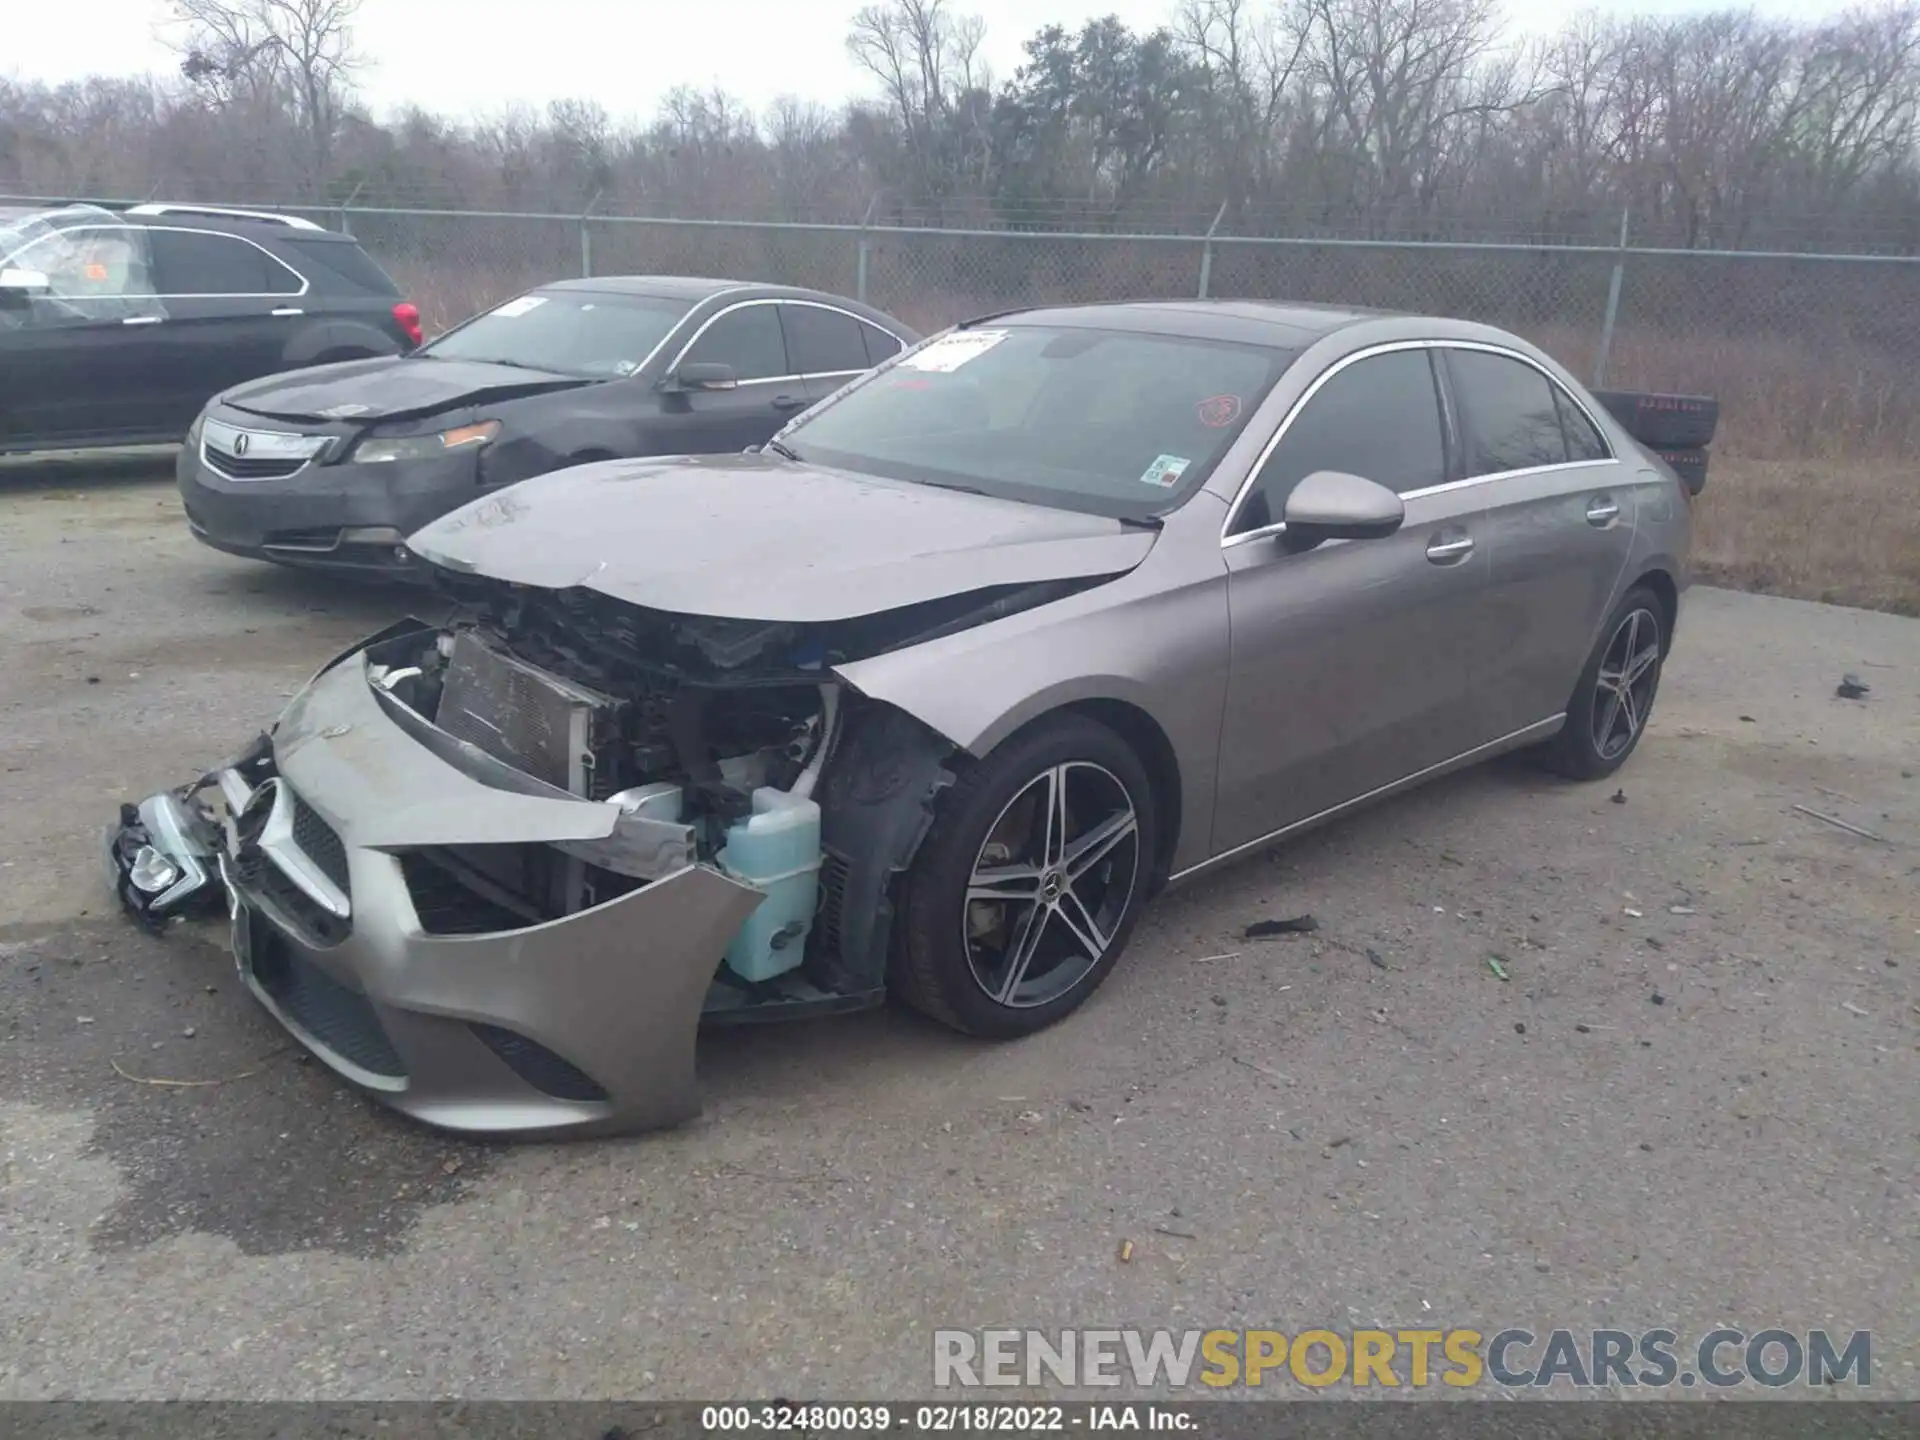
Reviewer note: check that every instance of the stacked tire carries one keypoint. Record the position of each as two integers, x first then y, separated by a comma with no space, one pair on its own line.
1676,429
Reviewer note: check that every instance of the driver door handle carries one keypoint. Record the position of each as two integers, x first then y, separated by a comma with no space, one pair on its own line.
287,310
789,402
141,320
1448,550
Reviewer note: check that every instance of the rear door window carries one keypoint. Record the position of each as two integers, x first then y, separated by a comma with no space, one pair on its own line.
749,339
822,341
198,262
880,345
1510,413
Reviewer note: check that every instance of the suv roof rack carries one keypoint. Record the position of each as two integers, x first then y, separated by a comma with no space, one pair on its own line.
222,212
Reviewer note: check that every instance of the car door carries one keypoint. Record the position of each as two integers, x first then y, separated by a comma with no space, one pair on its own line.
231,310
78,362
827,345
1558,528
749,338
1352,664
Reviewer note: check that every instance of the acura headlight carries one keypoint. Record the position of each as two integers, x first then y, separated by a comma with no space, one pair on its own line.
193,430
383,451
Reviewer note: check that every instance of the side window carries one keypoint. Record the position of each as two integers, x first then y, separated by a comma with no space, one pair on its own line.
748,339
823,342
1583,441
1378,418
91,264
1511,415
880,345
195,262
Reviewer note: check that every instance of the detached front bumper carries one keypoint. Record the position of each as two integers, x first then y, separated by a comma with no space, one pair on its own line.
343,517
583,1024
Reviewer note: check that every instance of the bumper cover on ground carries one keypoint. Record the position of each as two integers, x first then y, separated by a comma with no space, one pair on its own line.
585,1023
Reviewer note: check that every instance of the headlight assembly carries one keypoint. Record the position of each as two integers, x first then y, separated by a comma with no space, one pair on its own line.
378,450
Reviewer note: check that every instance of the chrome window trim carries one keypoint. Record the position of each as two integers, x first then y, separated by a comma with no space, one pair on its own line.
1229,539
305,284
724,311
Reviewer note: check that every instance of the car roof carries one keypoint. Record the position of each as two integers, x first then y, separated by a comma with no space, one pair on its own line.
674,287
1287,324
692,287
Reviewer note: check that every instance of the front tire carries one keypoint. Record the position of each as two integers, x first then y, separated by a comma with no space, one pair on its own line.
1613,699
1025,892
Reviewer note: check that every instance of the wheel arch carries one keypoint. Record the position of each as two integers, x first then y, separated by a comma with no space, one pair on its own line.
1667,590
1147,740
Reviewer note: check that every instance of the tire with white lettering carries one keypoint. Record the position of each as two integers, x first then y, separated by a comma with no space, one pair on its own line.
1663,422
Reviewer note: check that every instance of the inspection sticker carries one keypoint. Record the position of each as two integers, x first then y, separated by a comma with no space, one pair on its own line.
950,352
1166,471
521,306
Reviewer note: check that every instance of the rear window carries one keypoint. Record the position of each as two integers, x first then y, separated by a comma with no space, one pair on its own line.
332,263
585,333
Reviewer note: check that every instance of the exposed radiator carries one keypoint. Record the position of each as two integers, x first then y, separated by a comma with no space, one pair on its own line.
539,723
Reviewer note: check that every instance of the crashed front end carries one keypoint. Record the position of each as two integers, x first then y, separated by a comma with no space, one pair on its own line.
497,874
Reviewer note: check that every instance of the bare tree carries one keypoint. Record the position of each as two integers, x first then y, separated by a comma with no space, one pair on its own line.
927,60
296,53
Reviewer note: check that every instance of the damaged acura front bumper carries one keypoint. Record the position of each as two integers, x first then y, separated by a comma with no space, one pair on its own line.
360,847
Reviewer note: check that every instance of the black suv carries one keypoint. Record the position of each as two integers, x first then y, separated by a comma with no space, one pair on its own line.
118,325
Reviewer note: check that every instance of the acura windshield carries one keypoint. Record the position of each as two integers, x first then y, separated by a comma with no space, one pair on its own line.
584,333
1114,422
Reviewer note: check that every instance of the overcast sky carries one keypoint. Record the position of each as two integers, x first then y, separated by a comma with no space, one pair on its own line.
465,57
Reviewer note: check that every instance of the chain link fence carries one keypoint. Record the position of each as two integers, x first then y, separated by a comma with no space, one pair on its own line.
1810,355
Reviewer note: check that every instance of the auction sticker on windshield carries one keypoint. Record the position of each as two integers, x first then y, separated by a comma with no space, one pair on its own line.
521,306
950,352
1165,471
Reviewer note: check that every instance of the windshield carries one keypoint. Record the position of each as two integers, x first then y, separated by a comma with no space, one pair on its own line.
568,332
1113,422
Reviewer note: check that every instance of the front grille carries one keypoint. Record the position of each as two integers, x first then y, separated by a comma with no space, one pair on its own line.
274,888
538,1066
247,467
319,842
340,1019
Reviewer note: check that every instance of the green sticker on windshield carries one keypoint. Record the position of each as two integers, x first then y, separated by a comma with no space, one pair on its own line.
1166,471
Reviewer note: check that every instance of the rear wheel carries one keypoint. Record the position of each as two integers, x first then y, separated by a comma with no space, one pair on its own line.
1026,890
1613,698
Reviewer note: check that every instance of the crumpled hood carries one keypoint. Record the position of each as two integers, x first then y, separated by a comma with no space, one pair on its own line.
388,387
753,537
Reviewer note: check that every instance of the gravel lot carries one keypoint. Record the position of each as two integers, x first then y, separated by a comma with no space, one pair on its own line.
1696,1099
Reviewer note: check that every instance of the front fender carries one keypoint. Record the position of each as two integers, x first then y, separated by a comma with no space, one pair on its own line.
1162,651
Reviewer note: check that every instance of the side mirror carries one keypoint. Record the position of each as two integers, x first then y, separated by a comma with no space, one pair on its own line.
1329,505
707,376
17,287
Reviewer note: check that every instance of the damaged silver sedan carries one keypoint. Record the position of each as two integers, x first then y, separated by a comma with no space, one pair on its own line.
926,700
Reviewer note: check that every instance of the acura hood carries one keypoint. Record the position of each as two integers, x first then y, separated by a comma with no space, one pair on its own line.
389,387
752,537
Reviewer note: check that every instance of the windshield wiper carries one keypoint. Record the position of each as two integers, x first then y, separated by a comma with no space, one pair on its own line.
783,451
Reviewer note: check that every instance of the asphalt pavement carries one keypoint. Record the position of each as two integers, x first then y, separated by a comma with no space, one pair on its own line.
1643,1054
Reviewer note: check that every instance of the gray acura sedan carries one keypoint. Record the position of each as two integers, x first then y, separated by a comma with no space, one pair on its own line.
926,699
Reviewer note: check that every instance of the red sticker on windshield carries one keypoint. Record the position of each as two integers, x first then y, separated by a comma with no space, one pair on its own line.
1219,412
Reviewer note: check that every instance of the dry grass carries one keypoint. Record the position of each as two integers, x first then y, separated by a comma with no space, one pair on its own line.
1847,533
